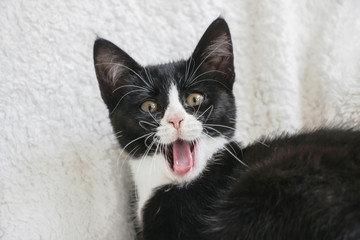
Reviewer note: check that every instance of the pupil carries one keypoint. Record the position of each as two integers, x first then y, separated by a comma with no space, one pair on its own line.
149,108
194,99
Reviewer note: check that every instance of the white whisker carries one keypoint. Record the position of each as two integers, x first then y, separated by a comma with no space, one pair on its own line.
141,123
194,79
197,110
152,160
153,118
146,139
231,153
262,143
187,69
136,139
148,76
219,125
117,134
208,80
215,130
144,156
130,85
123,98
129,156
204,112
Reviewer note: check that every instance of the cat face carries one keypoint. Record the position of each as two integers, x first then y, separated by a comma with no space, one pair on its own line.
171,117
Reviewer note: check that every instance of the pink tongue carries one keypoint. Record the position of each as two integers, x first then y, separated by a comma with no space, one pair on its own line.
183,160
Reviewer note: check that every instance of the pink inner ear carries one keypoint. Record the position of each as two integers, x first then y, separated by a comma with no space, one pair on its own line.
114,72
220,47
111,68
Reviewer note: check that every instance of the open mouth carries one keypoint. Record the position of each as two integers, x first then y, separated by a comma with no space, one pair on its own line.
180,156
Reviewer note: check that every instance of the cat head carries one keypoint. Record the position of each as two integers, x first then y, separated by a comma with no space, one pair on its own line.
177,114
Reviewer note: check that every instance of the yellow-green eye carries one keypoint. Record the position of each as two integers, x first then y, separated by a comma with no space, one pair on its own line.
194,99
149,106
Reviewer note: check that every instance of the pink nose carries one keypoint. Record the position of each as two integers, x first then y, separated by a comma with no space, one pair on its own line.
175,121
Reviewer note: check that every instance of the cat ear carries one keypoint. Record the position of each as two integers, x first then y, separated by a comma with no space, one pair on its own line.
214,53
113,68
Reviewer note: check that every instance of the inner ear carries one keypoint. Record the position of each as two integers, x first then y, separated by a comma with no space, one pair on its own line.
214,53
113,69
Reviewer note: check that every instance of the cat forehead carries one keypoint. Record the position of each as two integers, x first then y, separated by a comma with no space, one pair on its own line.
165,74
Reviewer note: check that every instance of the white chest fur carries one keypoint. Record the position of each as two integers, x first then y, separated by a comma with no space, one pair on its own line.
148,173
152,172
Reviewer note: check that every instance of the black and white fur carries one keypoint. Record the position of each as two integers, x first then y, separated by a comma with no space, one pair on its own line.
279,189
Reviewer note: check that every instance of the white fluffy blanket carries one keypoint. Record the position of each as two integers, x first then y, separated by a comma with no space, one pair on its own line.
297,64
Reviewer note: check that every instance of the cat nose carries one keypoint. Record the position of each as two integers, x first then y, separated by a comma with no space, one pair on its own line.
176,121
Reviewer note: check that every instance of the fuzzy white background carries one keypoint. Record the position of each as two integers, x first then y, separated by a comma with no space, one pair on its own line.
297,64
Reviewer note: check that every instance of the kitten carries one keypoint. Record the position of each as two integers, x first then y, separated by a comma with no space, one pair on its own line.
177,120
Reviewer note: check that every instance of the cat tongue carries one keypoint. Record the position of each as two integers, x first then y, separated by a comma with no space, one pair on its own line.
183,160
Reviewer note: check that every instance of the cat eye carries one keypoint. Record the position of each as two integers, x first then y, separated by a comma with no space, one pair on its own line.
149,106
194,99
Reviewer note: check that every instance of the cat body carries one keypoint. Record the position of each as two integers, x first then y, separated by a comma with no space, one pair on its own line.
176,121
295,187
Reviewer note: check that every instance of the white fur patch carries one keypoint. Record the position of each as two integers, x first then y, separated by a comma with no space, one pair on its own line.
148,173
190,127
152,172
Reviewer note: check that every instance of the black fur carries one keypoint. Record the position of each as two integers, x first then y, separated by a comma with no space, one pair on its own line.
296,187
305,186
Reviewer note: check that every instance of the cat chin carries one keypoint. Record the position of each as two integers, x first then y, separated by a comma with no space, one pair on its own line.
152,172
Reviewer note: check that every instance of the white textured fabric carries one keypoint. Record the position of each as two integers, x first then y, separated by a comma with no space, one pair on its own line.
297,64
